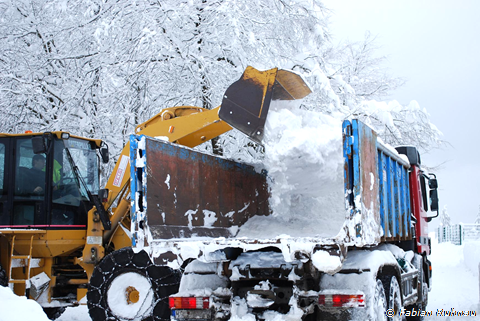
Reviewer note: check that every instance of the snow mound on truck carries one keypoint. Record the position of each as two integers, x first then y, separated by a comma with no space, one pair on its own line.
304,161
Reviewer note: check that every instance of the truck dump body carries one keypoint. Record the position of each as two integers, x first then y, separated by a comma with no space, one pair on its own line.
184,196
378,178
186,193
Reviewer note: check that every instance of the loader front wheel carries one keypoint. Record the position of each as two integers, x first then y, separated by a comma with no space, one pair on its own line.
128,286
3,277
54,313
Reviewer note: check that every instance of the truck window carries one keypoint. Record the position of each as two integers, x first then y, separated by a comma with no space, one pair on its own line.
424,193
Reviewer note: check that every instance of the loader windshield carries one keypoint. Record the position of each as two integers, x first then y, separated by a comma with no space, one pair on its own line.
85,159
74,160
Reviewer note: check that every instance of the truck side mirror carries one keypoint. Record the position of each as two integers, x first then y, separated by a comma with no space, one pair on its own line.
432,183
38,145
433,200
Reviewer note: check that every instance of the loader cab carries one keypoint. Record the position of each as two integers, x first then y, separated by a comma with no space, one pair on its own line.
47,189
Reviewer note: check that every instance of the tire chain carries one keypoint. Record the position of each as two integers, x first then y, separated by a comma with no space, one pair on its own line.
125,259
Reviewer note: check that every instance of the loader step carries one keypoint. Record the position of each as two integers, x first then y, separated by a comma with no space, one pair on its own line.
20,257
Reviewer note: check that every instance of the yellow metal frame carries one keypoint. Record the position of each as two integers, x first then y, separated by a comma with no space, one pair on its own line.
39,245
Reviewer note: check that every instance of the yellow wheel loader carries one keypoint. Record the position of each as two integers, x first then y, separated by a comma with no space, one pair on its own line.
62,236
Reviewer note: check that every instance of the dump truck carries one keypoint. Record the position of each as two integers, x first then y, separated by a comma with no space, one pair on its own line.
188,208
65,240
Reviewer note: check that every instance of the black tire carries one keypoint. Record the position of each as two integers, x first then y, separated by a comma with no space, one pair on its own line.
312,316
54,313
379,303
3,277
394,297
122,270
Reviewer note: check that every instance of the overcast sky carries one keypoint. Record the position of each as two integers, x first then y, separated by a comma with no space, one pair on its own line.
435,46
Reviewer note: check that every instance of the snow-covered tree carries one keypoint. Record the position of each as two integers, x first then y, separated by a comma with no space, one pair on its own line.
98,68
444,217
477,220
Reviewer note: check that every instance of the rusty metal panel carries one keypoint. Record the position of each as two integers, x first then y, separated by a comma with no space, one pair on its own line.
367,168
178,192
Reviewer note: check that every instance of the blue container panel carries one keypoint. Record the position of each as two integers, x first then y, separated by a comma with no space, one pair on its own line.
387,202
394,198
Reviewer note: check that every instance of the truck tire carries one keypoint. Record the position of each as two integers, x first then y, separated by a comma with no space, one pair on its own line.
379,302
394,298
54,313
128,286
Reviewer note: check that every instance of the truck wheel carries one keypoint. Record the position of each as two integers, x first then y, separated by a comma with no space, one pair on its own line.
54,313
128,286
380,303
3,277
394,299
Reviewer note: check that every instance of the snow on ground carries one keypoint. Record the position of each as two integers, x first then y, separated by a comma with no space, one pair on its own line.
455,277
15,308
455,286
79,313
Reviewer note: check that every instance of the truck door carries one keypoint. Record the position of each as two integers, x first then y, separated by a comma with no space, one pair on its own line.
30,185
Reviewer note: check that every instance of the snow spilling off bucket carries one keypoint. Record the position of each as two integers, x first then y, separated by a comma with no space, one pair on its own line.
304,160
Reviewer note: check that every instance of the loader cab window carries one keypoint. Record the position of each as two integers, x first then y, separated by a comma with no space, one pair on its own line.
2,169
4,219
30,185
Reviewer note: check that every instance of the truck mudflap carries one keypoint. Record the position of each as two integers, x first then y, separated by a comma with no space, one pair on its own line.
190,194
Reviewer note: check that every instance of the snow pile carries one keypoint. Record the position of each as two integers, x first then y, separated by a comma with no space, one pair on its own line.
16,308
471,255
325,262
455,280
304,160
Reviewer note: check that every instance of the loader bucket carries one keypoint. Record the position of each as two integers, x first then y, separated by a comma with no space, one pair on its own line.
246,102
